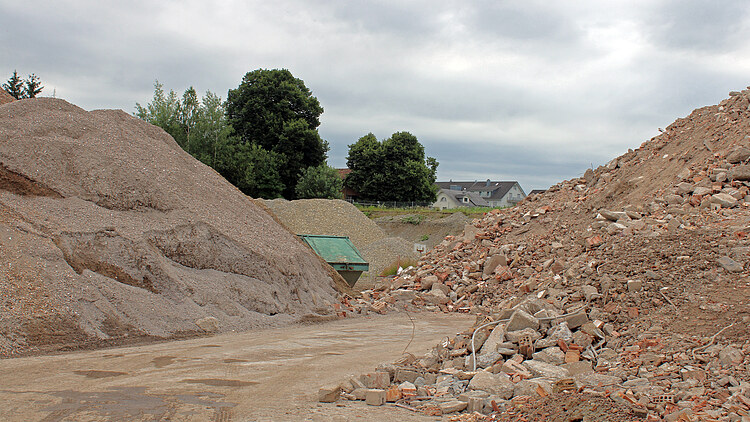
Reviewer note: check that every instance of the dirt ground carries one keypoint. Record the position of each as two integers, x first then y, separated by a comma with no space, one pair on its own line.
265,375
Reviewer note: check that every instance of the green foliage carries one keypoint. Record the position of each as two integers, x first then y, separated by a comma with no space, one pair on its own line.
212,133
413,219
392,170
188,113
201,129
23,88
424,237
319,182
275,110
33,86
255,170
162,111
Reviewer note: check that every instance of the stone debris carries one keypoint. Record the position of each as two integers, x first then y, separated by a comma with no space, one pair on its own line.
626,287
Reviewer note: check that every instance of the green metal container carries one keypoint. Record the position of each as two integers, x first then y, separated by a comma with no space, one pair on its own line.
340,253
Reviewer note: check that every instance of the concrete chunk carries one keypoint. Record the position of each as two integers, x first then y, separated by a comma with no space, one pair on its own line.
492,263
359,393
496,337
520,320
551,355
329,394
545,370
375,397
730,264
495,384
576,320
208,324
452,406
724,199
738,155
379,380
406,375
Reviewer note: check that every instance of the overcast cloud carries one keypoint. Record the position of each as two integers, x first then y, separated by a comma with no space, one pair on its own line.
534,91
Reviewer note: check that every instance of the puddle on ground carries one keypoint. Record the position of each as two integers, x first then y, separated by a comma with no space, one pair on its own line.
135,403
162,361
233,360
217,382
99,374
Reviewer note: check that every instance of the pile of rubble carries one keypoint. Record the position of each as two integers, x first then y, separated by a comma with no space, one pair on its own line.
534,350
629,282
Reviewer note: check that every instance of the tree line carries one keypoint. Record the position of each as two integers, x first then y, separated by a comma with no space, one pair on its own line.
23,88
264,139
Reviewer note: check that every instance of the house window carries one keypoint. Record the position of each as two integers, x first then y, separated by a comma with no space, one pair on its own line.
443,199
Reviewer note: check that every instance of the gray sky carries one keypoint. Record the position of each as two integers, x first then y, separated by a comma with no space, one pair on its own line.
534,91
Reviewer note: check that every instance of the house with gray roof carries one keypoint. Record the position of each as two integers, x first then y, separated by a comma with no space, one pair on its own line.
488,193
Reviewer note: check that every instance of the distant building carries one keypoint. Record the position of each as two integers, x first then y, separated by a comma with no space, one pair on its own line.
536,192
347,193
487,193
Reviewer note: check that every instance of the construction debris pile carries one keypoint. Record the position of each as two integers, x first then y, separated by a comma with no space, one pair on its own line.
111,232
629,284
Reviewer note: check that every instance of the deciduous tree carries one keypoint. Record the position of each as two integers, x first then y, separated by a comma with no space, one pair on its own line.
395,169
162,111
322,181
275,110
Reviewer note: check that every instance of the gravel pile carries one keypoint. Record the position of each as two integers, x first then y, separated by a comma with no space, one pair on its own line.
332,217
110,231
340,218
5,97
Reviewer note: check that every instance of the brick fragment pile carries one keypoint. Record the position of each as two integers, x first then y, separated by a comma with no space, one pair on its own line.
648,253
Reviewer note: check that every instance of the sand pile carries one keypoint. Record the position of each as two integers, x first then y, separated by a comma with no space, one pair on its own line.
340,218
5,97
109,230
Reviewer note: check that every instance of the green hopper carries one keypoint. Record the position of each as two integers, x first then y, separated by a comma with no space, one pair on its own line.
340,253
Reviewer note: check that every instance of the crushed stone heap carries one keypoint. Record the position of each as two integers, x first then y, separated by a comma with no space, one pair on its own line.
335,217
109,231
5,97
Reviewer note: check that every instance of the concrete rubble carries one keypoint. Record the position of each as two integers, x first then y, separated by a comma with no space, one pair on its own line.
628,285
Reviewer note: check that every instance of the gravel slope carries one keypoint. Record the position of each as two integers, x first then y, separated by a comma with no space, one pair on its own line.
110,231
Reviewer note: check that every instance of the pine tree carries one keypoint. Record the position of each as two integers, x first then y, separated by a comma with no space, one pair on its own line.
33,86
14,86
